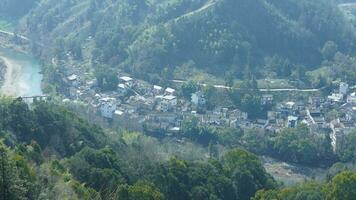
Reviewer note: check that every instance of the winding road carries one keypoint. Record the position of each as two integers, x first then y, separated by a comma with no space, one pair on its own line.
205,7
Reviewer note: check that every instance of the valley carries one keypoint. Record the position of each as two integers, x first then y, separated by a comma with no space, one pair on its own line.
177,99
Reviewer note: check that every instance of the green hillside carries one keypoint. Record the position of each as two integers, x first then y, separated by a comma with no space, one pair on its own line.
47,152
275,39
15,9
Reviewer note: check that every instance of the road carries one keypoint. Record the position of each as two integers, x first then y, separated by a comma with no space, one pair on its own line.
261,89
345,5
205,7
13,34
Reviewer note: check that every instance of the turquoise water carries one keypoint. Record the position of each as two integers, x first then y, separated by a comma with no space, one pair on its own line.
28,81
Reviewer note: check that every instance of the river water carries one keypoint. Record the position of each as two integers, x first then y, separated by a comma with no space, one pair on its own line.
22,76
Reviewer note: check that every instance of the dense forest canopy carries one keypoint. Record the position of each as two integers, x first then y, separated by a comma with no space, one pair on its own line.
14,9
53,149
266,38
48,152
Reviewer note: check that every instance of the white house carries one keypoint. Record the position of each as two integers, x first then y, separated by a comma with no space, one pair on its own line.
267,99
170,91
92,83
157,90
238,115
292,121
271,116
352,98
344,87
121,88
198,99
126,80
167,103
290,105
335,97
73,79
107,107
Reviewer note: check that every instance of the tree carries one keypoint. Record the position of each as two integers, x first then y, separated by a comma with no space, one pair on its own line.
76,49
305,191
301,146
247,173
329,49
255,141
188,88
100,169
173,179
144,191
211,96
11,186
201,134
346,150
342,187
251,104
140,190
107,78
59,52
190,125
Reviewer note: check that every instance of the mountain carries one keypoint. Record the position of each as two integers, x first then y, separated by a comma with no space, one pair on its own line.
268,38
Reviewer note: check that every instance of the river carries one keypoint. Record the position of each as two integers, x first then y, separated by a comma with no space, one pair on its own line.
22,76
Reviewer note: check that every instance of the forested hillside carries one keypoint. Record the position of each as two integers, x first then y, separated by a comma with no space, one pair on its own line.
47,152
14,9
315,191
222,37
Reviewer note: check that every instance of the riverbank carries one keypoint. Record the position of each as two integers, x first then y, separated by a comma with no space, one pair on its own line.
21,76
11,79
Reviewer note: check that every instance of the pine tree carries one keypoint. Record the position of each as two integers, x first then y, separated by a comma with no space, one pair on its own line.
11,186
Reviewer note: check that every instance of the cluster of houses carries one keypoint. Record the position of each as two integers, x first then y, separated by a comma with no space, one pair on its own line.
136,104
334,114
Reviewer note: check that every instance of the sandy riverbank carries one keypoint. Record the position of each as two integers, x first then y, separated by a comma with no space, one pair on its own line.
11,83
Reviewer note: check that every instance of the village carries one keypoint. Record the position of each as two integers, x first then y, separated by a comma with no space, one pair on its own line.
136,105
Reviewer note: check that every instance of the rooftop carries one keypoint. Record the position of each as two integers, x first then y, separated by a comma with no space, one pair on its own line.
170,90
72,77
126,78
169,97
121,86
119,112
156,87
335,97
